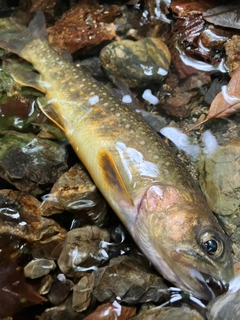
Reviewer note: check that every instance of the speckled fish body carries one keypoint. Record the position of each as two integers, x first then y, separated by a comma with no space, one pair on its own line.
150,191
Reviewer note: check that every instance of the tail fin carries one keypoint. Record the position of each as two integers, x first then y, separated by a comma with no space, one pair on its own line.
14,36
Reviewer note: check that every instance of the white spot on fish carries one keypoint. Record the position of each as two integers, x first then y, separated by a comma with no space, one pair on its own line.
148,96
93,100
106,104
117,114
127,126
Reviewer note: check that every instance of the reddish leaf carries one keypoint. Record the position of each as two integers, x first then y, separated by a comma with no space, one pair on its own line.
115,311
227,102
15,292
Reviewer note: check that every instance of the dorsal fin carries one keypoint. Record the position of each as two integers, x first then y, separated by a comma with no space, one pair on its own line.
112,177
37,26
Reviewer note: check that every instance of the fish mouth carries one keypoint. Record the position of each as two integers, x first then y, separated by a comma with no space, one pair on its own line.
211,287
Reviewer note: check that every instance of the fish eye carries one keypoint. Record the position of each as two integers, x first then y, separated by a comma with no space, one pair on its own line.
211,244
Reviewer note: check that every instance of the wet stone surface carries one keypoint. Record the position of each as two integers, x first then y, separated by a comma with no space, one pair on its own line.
83,250
75,192
168,313
29,163
57,217
21,221
38,268
83,27
226,307
219,178
137,64
59,290
124,279
82,292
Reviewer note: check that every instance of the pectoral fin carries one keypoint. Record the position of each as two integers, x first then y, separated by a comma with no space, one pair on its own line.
25,76
50,112
112,178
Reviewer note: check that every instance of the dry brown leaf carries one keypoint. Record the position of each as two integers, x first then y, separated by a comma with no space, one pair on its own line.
108,311
226,104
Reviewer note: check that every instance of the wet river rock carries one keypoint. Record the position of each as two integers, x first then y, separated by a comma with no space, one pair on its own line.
29,163
82,293
84,249
21,222
232,48
168,313
137,64
225,307
83,27
75,192
38,268
220,180
125,279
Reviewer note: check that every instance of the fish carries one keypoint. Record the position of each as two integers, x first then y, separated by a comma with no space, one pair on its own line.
147,186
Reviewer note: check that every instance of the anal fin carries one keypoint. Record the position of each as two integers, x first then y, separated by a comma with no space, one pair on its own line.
112,178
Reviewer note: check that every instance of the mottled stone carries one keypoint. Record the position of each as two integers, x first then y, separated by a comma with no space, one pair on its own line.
83,250
179,98
232,48
123,278
20,220
39,268
75,192
225,307
82,293
220,179
168,313
84,26
29,163
137,63
59,291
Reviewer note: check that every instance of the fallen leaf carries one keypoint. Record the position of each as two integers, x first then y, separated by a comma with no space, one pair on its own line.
112,311
224,15
15,292
227,102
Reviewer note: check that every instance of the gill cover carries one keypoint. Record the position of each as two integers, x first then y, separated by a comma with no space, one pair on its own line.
185,247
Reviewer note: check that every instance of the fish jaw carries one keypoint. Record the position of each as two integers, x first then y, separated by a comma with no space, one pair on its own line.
172,227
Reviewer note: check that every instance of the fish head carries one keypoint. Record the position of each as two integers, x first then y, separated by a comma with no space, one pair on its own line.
184,240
